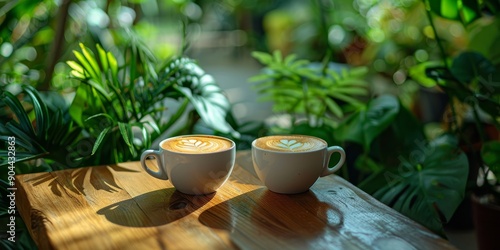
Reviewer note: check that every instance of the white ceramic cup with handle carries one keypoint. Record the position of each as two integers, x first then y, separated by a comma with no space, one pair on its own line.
291,164
194,164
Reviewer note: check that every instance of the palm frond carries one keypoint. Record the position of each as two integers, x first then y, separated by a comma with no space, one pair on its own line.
46,136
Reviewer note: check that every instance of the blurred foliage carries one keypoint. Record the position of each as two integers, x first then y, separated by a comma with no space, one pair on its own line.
435,43
471,79
80,77
318,93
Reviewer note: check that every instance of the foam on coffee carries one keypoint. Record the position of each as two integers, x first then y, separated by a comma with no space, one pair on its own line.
196,144
290,143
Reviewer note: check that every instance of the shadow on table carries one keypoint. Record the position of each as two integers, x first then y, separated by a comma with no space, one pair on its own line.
154,208
262,213
100,178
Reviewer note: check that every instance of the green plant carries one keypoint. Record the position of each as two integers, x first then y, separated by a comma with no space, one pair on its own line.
421,178
37,37
45,136
31,130
114,100
388,134
120,100
320,93
472,81
117,111
426,170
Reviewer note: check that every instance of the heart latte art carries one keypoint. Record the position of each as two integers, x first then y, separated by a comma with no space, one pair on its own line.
197,144
290,143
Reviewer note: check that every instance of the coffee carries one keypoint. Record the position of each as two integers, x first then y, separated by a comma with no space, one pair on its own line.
290,164
194,164
196,144
290,143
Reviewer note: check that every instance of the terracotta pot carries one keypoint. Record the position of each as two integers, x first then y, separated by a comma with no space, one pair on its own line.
487,223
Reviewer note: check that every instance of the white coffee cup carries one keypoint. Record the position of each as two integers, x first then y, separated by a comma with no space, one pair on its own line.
194,164
291,164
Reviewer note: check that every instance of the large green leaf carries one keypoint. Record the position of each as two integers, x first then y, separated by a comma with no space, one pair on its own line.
419,73
86,103
480,81
400,138
202,91
41,112
52,134
20,113
428,183
127,136
465,11
363,126
469,66
485,39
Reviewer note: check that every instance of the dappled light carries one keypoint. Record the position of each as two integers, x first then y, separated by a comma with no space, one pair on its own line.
409,88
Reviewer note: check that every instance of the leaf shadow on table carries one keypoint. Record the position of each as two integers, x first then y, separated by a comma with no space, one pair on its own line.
262,214
74,180
155,208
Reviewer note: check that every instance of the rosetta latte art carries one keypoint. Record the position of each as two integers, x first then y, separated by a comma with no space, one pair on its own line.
197,145
290,143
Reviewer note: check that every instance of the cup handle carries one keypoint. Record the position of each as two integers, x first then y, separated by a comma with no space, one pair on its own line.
330,151
160,174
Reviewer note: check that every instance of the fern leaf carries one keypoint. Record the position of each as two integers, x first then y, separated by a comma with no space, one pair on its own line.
103,58
262,57
90,57
89,71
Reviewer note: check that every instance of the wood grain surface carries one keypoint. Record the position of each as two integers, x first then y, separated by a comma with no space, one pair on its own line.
122,207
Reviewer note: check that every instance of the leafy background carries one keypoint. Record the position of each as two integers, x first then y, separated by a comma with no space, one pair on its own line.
93,82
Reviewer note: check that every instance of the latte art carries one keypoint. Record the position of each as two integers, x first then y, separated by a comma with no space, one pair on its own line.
197,144
290,143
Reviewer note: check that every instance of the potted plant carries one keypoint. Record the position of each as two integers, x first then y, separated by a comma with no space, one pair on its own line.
311,96
471,83
421,177
471,79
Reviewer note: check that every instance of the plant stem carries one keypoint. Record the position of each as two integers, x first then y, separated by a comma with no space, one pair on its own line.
454,121
185,42
477,122
444,58
306,99
436,36
324,30
123,105
57,45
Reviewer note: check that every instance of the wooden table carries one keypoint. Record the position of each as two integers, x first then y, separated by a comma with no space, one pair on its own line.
121,207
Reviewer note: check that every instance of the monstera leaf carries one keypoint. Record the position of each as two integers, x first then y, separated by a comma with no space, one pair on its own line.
122,104
471,78
428,184
363,126
202,91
